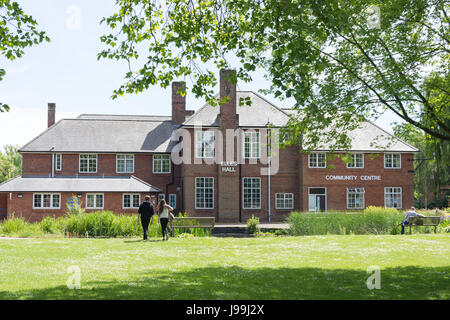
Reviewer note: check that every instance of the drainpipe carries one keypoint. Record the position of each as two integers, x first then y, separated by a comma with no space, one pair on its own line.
53,161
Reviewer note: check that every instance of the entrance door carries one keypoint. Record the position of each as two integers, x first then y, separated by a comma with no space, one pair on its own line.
317,199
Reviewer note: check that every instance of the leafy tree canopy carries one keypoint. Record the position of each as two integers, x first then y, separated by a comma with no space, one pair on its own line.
10,163
341,60
17,31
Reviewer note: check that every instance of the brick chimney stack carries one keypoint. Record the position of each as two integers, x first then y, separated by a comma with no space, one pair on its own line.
228,115
178,103
51,114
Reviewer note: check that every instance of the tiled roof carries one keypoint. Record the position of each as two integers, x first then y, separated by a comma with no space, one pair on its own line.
84,184
259,114
105,135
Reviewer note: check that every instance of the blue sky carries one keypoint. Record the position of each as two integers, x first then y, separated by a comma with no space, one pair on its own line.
66,71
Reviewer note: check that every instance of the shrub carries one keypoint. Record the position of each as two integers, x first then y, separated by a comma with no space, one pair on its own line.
373,220
48,225
13,225
103,224
253,225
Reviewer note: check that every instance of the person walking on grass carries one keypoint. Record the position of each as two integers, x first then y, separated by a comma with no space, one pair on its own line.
146,211
164,212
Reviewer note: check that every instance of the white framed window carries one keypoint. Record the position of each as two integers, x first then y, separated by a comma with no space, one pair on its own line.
46,201
94,201
204,193
252,193
357,161
284,201
161,196
131,200
285,136
252,145
317,160
392,160
58,162
393,197
88,163
173,200
355,198
161,163
204,144
125,163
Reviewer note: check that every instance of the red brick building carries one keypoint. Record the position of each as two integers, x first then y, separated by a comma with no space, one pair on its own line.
212,162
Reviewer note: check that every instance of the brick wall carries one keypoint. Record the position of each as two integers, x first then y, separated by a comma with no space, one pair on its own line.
374,190
41,165
23,207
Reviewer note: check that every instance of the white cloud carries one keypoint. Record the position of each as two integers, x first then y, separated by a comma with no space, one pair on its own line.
21,125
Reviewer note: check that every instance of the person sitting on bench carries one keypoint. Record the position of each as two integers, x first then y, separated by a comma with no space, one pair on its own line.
409,214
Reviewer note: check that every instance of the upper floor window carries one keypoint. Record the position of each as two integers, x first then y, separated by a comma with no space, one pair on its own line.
58,162
392,160
161,163
251,145
125,163
88,163
356,160
317,160
46,201
204,144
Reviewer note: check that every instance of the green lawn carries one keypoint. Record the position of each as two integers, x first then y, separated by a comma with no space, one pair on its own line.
315,267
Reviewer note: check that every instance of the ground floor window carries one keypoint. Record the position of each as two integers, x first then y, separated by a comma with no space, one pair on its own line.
46,201
252,193
131,201
317,199
94,201
355,198
173,200
393,197
284,201
204,193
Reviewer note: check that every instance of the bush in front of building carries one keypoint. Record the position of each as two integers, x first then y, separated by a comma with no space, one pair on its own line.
373,220
18,227
253,225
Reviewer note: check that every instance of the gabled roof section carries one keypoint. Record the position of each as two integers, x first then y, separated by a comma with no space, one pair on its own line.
106,133
369,137
84,184
260,113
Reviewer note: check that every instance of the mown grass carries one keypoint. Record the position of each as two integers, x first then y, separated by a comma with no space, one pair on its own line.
311,267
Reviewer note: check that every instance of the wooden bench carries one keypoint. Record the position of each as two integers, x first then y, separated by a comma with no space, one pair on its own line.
194,222
424,221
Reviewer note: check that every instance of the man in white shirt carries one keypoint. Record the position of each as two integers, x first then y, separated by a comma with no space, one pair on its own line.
409,214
